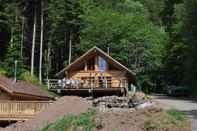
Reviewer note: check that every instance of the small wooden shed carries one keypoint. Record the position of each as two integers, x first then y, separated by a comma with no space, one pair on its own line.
21,90
96,71
21,100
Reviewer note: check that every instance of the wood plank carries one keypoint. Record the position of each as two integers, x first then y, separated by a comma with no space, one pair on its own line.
12,110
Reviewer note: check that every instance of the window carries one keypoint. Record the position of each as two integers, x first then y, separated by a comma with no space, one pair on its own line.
102,64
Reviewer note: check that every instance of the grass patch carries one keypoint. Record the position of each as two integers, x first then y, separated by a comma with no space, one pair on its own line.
71,122
170,120
176,117
3,71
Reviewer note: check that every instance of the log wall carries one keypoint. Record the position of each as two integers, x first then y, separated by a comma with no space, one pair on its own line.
117,78
16,110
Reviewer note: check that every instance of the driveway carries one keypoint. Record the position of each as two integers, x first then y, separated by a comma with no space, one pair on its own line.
185,105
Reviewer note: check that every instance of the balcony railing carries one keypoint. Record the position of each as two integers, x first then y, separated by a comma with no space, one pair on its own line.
76,84
21,110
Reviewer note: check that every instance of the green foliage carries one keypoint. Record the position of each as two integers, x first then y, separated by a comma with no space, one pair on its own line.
127,31
2,71
168,120
154,38
147,85
155,9
13,51
28,77
176,116
83,121
190,31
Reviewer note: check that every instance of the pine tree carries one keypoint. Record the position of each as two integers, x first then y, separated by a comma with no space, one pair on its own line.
14,49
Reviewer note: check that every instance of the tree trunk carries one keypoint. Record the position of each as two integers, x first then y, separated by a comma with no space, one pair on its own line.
70,49
34,40
22,36
48,60
41,43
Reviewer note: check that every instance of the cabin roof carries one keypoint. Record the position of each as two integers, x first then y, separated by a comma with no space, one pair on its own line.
22,87
88,54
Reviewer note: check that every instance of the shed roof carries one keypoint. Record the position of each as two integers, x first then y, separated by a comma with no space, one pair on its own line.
91,52
22,87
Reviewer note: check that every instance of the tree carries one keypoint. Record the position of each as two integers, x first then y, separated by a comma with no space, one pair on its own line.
41,42
190,31
5,30
174,57
123,30
130,34
13,52
63,31
34,38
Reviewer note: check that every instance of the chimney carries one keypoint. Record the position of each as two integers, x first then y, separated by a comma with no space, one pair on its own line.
108,50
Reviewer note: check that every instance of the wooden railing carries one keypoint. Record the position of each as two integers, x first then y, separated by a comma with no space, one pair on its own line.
21,110
54,84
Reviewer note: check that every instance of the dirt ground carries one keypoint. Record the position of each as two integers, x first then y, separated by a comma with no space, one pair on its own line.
62,107
117,120
135,120
189,106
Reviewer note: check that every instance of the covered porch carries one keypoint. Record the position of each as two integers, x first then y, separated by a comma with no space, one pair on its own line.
90,86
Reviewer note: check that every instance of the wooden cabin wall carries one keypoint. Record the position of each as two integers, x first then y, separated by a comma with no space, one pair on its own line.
118,78
89,71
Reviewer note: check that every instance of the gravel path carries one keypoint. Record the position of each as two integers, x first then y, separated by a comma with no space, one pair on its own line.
188,106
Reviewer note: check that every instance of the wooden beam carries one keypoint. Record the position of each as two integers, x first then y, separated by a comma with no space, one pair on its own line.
96,64
86,66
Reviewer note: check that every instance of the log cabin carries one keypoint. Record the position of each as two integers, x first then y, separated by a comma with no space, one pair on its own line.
95,71
21,100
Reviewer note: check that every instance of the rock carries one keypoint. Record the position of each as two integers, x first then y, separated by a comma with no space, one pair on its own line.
109,103
145,105
98,122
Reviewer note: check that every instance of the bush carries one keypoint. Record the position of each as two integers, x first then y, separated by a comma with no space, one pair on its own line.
28,77
177,117
83,121
3,71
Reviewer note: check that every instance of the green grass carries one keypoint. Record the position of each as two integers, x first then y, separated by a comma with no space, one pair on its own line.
2,71
176,117
83,121
168,120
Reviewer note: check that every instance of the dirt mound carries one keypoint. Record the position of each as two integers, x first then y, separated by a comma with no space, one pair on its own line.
138,120
62,107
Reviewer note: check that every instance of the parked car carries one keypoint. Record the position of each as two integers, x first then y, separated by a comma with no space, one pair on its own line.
178,90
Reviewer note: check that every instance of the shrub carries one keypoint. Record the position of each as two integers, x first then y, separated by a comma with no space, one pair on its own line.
3,71
83,121
28,77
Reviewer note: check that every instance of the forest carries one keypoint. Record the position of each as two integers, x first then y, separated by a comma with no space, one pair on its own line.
154,38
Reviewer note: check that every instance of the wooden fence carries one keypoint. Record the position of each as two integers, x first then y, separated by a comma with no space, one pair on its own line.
21,110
